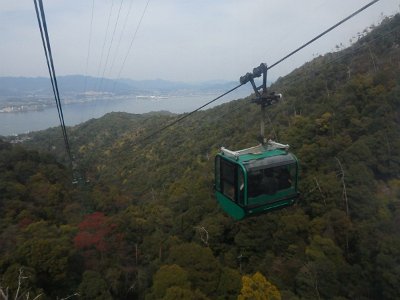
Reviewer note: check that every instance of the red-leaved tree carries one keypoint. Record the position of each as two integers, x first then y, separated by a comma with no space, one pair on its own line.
93,233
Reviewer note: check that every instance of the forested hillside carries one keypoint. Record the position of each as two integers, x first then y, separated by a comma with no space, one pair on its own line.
143,223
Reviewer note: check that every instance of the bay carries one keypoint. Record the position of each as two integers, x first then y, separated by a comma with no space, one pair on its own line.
75,113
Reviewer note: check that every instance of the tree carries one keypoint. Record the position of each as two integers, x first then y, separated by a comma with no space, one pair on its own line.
47,250
178,293
319,277
98,240
169,276
257,287
93,286
21,291
229,284
93,231
202,267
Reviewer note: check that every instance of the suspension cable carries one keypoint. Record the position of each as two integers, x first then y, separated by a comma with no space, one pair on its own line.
111,44
49,59
323,33
188,114
269,67
121,35
104,45
50,65
88,51
132,41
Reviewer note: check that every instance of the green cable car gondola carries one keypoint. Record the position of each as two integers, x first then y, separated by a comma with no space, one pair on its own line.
255,180
258,179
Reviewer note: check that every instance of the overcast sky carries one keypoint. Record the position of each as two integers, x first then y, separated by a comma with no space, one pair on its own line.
180,40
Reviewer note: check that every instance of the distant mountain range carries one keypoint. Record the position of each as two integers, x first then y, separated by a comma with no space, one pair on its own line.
21,94
78,85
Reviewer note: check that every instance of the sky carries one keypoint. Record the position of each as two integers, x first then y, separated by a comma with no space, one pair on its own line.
177,40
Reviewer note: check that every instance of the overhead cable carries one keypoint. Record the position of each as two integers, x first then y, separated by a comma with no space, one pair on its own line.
88,52
323,33
133,39
50,65
189,114
269,67
122,34
111,43
104,43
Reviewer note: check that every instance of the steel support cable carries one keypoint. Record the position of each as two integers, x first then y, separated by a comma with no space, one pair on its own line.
104,42
131,44
323,33
352,50
38,15
281,60
111,43
146,138
89,46
269,67
122,34
188,114
50,65
53,79
53,74
50,58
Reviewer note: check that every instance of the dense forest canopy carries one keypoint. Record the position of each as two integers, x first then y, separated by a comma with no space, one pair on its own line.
143,223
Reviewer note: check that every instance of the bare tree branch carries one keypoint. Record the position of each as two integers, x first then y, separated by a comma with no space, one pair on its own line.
319,188
70,296
20,278
203,234
3,294
344,187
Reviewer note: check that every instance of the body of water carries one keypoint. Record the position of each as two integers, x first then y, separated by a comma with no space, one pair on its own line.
23,122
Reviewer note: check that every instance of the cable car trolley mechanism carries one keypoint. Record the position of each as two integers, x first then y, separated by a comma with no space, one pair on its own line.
258,179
